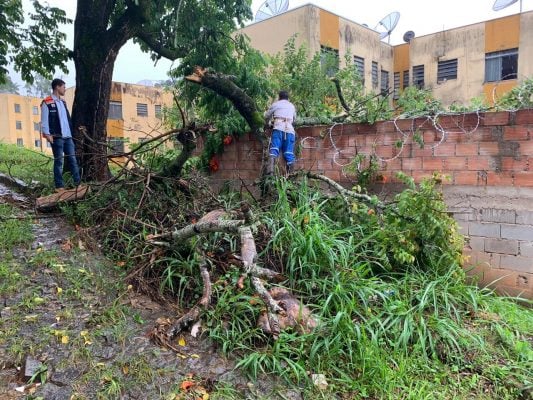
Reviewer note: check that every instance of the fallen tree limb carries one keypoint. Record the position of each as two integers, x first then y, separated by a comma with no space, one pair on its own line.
343,191
194,313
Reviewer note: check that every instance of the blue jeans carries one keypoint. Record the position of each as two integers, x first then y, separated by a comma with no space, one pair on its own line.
283,141
64,147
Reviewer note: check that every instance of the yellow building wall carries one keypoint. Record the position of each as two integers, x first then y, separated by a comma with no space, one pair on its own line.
502,33
132,127
329,29
271,35
358,40
29,121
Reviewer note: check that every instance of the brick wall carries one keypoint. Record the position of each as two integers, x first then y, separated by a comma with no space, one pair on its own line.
487,158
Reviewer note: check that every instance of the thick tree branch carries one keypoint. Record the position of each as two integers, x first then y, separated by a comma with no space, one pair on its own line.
339,93
224,86
158,48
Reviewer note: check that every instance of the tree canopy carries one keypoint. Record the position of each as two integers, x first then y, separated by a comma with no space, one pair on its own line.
37,47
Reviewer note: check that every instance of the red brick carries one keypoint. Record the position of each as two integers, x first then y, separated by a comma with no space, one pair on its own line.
420,175
465,178
456,137
431,164
411,163
524,117
393,165
526,147
478,163
430,137
516,132
466,149
385,127
524,179
495,118
511,164
444,149
384,152
426,151
454,163
481,134
363,129
324,164
335,175
459,121
405,125
488,149
503,178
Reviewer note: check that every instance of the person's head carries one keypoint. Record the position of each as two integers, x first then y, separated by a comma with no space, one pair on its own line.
283,95
58,86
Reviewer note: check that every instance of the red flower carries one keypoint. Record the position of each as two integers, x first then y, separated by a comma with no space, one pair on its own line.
227,140
214,164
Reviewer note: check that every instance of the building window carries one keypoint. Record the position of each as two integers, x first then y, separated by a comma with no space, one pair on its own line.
157,109
396,94
374,74
17,108
418,76
384,82
115,110
329,60
501,65
37,143
142,110
116,146
405,79
18,125
447,70
359,63
48,144
20,142
35,110
36,127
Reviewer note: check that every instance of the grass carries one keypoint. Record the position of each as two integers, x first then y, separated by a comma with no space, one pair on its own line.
397,318
25,164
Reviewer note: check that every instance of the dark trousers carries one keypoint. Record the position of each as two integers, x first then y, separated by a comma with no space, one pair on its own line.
64,148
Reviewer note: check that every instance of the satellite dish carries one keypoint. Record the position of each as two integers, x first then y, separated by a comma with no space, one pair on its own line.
408,36
270,8
501,4
387,25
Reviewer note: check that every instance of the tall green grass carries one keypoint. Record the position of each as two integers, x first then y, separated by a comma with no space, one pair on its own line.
26,164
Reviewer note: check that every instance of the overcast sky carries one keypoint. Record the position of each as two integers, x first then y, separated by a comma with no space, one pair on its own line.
421,16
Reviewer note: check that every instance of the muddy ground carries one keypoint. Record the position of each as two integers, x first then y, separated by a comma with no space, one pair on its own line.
70,329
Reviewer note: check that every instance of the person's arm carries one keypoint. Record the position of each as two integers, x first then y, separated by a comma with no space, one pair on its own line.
294,115
45,129
269,113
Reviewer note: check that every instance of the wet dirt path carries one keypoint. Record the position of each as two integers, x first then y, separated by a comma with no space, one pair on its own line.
70,329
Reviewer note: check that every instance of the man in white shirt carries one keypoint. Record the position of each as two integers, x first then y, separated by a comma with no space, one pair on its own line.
57,129
283,136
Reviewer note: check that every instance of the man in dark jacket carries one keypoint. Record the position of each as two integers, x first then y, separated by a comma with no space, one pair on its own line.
57,129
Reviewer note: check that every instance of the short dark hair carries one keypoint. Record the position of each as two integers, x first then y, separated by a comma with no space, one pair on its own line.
283,95
57,82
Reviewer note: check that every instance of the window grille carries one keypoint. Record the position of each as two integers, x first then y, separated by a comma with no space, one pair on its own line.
396,95
447,70
418,76
142,110
374,74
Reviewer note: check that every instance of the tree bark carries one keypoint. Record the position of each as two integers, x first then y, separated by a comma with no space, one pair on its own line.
96,47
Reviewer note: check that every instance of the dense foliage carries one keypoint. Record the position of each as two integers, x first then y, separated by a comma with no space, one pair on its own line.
397,317
36,48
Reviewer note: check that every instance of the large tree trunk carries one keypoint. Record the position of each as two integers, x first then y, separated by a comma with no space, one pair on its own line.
90,110
96,47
